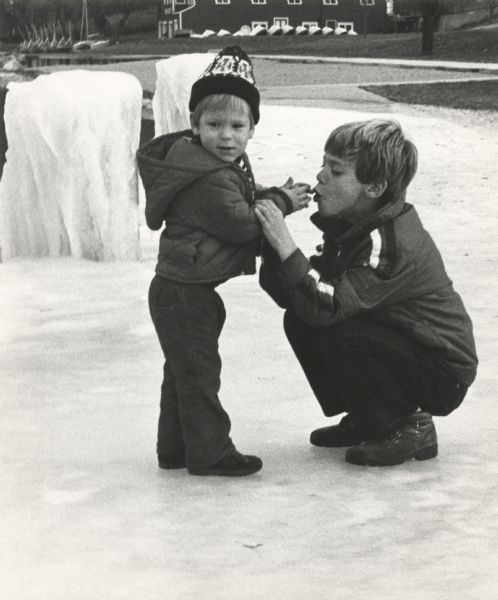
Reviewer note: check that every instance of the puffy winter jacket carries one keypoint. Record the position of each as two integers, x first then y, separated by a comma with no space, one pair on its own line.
386,269
212,232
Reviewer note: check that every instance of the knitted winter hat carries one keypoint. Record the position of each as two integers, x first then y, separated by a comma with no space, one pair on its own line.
230,73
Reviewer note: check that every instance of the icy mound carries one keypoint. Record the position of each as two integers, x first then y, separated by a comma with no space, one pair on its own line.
69,185
175,77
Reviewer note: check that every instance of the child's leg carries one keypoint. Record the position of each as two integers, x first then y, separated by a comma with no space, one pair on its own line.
373,372
387,377
170,443
188,319
322,374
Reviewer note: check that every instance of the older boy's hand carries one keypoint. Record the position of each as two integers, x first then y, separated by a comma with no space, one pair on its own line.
299,193
274,228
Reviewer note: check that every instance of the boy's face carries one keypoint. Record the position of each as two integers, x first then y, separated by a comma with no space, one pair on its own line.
338,192
224,134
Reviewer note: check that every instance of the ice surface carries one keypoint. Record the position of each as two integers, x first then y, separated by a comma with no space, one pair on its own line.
69,185
175,77
87,515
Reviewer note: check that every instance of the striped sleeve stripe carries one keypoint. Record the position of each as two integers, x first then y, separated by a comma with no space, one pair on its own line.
324,288
374,259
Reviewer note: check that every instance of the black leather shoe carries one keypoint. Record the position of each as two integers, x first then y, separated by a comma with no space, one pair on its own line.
345,433
415,438
233,464
171,461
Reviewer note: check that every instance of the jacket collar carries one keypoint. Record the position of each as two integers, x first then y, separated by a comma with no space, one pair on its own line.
341,231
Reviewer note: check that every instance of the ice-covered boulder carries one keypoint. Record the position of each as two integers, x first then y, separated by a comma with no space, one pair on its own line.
175,77
70,184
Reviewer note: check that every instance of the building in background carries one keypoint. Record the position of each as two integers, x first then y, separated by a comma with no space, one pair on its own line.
372,16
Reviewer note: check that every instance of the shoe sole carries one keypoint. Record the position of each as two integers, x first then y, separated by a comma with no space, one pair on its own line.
342,445
225,473
422,454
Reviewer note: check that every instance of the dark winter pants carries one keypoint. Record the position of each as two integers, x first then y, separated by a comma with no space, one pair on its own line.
370,371
188,319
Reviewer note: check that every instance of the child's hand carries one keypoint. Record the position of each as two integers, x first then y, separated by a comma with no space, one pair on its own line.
274,228
299,193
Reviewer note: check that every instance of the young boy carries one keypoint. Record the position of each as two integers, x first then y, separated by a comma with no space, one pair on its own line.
201,185
373,318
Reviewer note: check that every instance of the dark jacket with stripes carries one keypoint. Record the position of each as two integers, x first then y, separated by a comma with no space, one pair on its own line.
212,232
387,269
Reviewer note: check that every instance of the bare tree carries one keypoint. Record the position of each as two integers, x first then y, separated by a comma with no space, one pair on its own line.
431,12
111,16
492,5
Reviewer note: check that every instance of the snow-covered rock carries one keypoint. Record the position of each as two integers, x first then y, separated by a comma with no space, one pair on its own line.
70,184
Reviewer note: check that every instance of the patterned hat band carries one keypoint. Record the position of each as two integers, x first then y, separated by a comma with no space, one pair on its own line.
231,73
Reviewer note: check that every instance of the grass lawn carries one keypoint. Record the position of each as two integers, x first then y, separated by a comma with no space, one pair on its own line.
464,45
469,45
474,95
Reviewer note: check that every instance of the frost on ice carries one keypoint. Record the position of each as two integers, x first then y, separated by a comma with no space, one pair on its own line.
69,185
175,77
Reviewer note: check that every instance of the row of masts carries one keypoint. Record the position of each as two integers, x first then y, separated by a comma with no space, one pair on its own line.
53,37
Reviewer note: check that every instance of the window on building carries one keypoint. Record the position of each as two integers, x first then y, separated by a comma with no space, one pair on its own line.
255,24
330,2
222,1
309,24
367,2
347,25
258,1
281,21
332,23
294,1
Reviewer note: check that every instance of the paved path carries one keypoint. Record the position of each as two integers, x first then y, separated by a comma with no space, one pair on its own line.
327,82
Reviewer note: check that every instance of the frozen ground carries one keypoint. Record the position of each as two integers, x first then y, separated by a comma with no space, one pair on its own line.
86,515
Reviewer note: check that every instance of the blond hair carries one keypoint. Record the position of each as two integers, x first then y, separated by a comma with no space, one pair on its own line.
222,102
380,152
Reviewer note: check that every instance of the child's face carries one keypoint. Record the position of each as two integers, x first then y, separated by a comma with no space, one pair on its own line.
224,133
338,191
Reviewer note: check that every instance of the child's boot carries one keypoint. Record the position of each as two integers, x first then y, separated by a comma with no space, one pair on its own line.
345,433
415,437
233,464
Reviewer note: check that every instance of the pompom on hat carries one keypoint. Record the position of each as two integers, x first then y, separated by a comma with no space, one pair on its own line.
230,72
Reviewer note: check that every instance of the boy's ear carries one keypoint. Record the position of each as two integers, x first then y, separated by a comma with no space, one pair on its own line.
251,132
194,127
375,190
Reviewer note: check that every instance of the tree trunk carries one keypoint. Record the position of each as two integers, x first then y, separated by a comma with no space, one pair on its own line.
102,24
430,15
121,25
